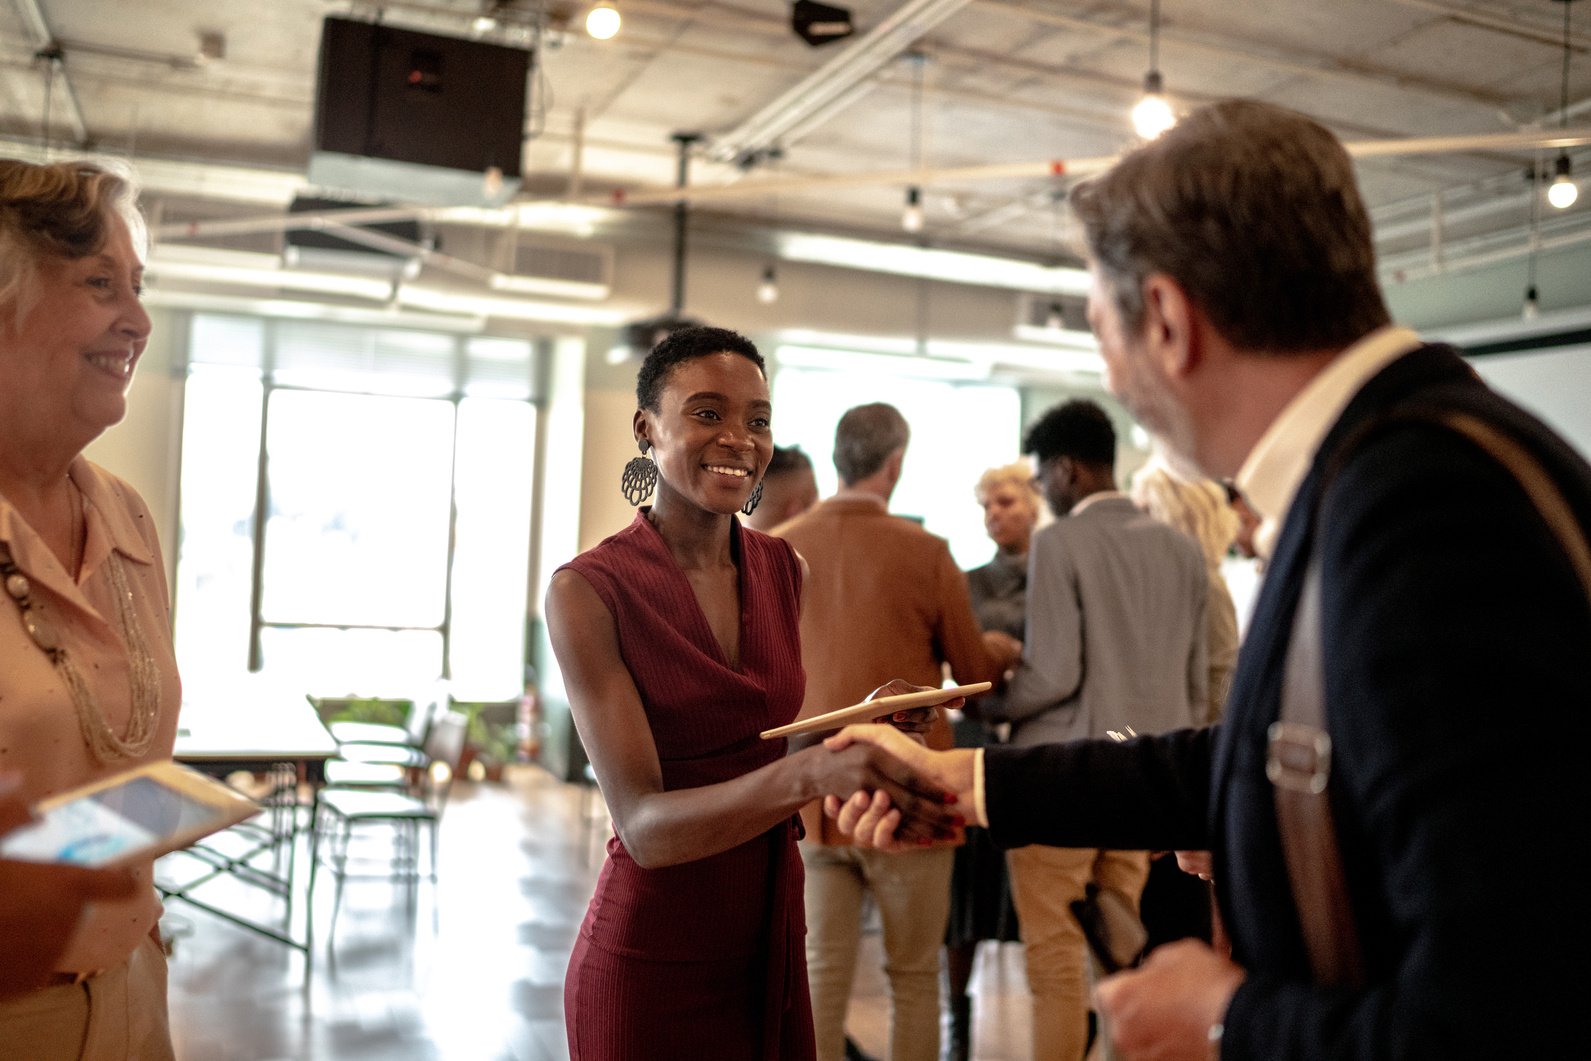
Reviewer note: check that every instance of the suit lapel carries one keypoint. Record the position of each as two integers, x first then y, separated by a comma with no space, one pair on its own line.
1255,698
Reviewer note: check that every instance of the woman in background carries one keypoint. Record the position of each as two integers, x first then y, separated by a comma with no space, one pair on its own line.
1176,904
88,677
678,639
980,896
1199,509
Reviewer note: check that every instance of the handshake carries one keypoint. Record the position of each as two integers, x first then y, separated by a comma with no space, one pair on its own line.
902,794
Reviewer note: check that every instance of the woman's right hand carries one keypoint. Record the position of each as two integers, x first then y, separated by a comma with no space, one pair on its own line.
41,902
921,810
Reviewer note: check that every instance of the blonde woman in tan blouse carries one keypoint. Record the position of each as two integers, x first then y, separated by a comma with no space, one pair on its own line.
88,677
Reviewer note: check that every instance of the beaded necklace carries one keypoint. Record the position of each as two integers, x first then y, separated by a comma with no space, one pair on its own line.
143,676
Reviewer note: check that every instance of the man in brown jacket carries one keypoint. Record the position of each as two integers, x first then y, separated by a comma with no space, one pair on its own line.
883,599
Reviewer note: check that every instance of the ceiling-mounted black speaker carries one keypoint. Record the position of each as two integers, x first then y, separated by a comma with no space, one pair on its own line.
820,23
641,336
415,116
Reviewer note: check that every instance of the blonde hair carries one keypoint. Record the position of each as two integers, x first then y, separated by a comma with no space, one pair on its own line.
1198,509
57,210
1018,474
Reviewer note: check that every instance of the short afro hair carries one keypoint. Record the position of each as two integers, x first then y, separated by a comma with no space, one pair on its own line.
684,345
1078,429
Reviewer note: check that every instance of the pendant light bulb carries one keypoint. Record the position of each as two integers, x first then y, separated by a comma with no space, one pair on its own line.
1152,115
1532,307
602,22
911,218
768,290
1563,191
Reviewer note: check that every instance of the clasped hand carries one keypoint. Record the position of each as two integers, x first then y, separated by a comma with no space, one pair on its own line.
885,817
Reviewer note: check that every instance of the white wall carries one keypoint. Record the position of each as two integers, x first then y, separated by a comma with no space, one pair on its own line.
1554,384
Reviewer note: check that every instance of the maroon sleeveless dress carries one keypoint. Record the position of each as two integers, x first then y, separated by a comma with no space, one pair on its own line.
705,959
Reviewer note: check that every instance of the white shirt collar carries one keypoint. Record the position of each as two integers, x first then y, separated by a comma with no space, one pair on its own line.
1275,468
1100,495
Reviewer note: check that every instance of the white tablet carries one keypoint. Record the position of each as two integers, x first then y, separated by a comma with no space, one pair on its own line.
138,814
868,710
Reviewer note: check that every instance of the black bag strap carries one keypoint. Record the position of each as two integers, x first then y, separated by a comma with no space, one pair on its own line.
1298,759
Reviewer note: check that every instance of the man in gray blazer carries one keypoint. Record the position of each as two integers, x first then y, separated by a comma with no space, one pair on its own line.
1115,643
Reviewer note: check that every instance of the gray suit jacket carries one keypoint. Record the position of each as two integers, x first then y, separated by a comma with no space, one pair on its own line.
1115,630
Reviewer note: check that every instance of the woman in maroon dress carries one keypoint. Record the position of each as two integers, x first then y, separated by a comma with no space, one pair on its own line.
678,641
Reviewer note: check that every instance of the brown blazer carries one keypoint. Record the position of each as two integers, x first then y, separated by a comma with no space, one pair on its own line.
883,599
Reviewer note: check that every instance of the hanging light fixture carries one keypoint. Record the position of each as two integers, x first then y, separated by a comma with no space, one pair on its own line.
911,218
602,22
768,289
1563,191
1152,115
1532,303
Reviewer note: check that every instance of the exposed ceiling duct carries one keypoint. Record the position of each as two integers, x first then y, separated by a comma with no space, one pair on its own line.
832,86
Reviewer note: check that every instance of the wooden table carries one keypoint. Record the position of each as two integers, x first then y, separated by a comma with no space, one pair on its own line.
275,734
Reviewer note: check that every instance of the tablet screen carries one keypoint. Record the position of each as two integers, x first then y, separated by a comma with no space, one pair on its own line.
109,824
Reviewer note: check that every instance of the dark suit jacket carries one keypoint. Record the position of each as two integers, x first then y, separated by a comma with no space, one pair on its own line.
1457,656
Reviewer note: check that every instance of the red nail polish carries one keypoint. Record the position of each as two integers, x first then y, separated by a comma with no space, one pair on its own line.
958,821
923,841
950,797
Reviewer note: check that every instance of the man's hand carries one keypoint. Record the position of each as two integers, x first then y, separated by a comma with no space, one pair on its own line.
1198,863
1163,1011
1006,649
870,817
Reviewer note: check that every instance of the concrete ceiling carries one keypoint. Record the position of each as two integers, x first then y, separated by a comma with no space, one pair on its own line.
1001,81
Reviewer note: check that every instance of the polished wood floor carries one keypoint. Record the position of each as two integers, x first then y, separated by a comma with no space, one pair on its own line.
470,969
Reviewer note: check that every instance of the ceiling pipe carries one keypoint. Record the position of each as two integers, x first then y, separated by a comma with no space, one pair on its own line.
824,90
1498,24
1251,56
1519,140
403,248
1477,252
683,142
1501,202
49,49
1523,140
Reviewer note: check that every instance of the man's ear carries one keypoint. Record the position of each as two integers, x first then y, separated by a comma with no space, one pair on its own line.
1170,327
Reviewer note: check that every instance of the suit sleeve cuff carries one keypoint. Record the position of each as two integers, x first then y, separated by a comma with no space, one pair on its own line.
980,807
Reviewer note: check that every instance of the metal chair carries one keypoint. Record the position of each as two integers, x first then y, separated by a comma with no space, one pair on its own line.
340,811
400,746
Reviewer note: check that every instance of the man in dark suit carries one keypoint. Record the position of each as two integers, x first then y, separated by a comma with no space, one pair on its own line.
1237,310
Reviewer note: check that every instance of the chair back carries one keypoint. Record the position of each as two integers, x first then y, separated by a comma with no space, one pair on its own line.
429,706
444,746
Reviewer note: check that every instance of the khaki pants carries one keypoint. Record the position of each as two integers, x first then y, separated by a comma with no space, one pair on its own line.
119,1015
1044,881
912,890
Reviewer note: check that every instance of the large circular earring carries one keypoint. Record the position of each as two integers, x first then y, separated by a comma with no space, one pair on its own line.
640,477
753,501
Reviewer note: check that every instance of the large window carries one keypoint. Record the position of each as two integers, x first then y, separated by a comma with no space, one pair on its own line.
959,429
355,507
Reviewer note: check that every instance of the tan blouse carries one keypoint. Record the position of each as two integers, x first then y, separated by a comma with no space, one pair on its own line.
40,737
